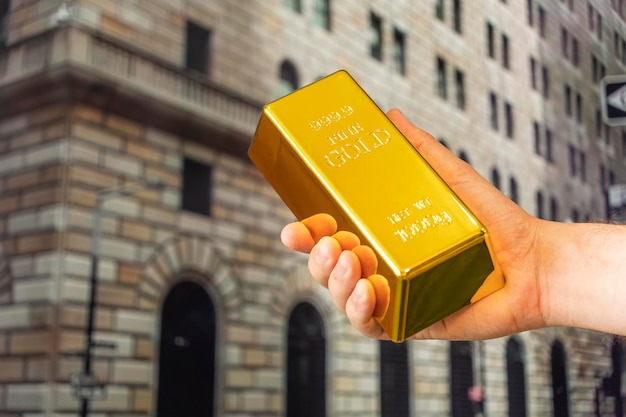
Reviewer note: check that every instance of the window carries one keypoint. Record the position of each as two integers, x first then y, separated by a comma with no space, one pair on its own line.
196,187
516,379
598,70
376,42
440,10
505,52
603,177
287,78
579,108
560,397
321,13
549,154
459,78
442,82
197,48
533,73
543,147
509,119
572,159
569,47
542,22
554,209
539,204
306,363
295,5
514,193
568,100
564,43
495,177
461,378
537,136
491,46
399,51
530,15
493,106
583,166
394,379
577,162
457,15
546,81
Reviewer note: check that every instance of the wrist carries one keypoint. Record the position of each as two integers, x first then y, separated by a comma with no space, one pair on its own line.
581,275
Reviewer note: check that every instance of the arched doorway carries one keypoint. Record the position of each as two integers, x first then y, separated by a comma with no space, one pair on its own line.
306,363
461,378
516,378
560,395
395,393
187,353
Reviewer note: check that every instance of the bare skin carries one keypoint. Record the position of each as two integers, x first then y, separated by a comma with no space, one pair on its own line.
556,274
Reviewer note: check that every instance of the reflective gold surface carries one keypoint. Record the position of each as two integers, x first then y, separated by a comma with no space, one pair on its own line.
328,148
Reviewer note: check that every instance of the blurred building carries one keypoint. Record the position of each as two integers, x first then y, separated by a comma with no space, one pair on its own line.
199,310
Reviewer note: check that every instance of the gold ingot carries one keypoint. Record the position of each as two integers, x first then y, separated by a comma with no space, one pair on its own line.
328,148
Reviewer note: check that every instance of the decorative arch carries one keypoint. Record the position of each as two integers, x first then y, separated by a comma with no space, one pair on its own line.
188,256
516,377
306,385
296,286
296,295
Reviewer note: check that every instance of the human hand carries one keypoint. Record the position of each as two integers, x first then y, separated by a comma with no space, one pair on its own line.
339,262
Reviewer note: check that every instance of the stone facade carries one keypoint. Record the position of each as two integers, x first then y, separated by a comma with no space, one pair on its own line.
93,94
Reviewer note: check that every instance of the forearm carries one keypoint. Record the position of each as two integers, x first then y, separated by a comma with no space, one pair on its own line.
583,275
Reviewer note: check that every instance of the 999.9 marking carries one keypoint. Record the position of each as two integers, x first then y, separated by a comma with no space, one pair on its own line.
332,117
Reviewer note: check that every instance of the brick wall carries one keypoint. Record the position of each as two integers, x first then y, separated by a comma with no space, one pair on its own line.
55,159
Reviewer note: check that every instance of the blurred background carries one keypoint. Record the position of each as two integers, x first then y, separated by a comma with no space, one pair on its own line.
141,272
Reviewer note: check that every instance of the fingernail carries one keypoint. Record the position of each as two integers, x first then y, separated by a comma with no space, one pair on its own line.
320,256
357,294
340,269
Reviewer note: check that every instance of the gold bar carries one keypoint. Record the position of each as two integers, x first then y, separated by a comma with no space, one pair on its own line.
328,148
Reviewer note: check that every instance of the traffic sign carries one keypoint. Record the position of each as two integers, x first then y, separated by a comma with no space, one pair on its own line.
614,100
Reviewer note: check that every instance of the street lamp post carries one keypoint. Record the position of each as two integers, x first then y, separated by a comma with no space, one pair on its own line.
85,385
